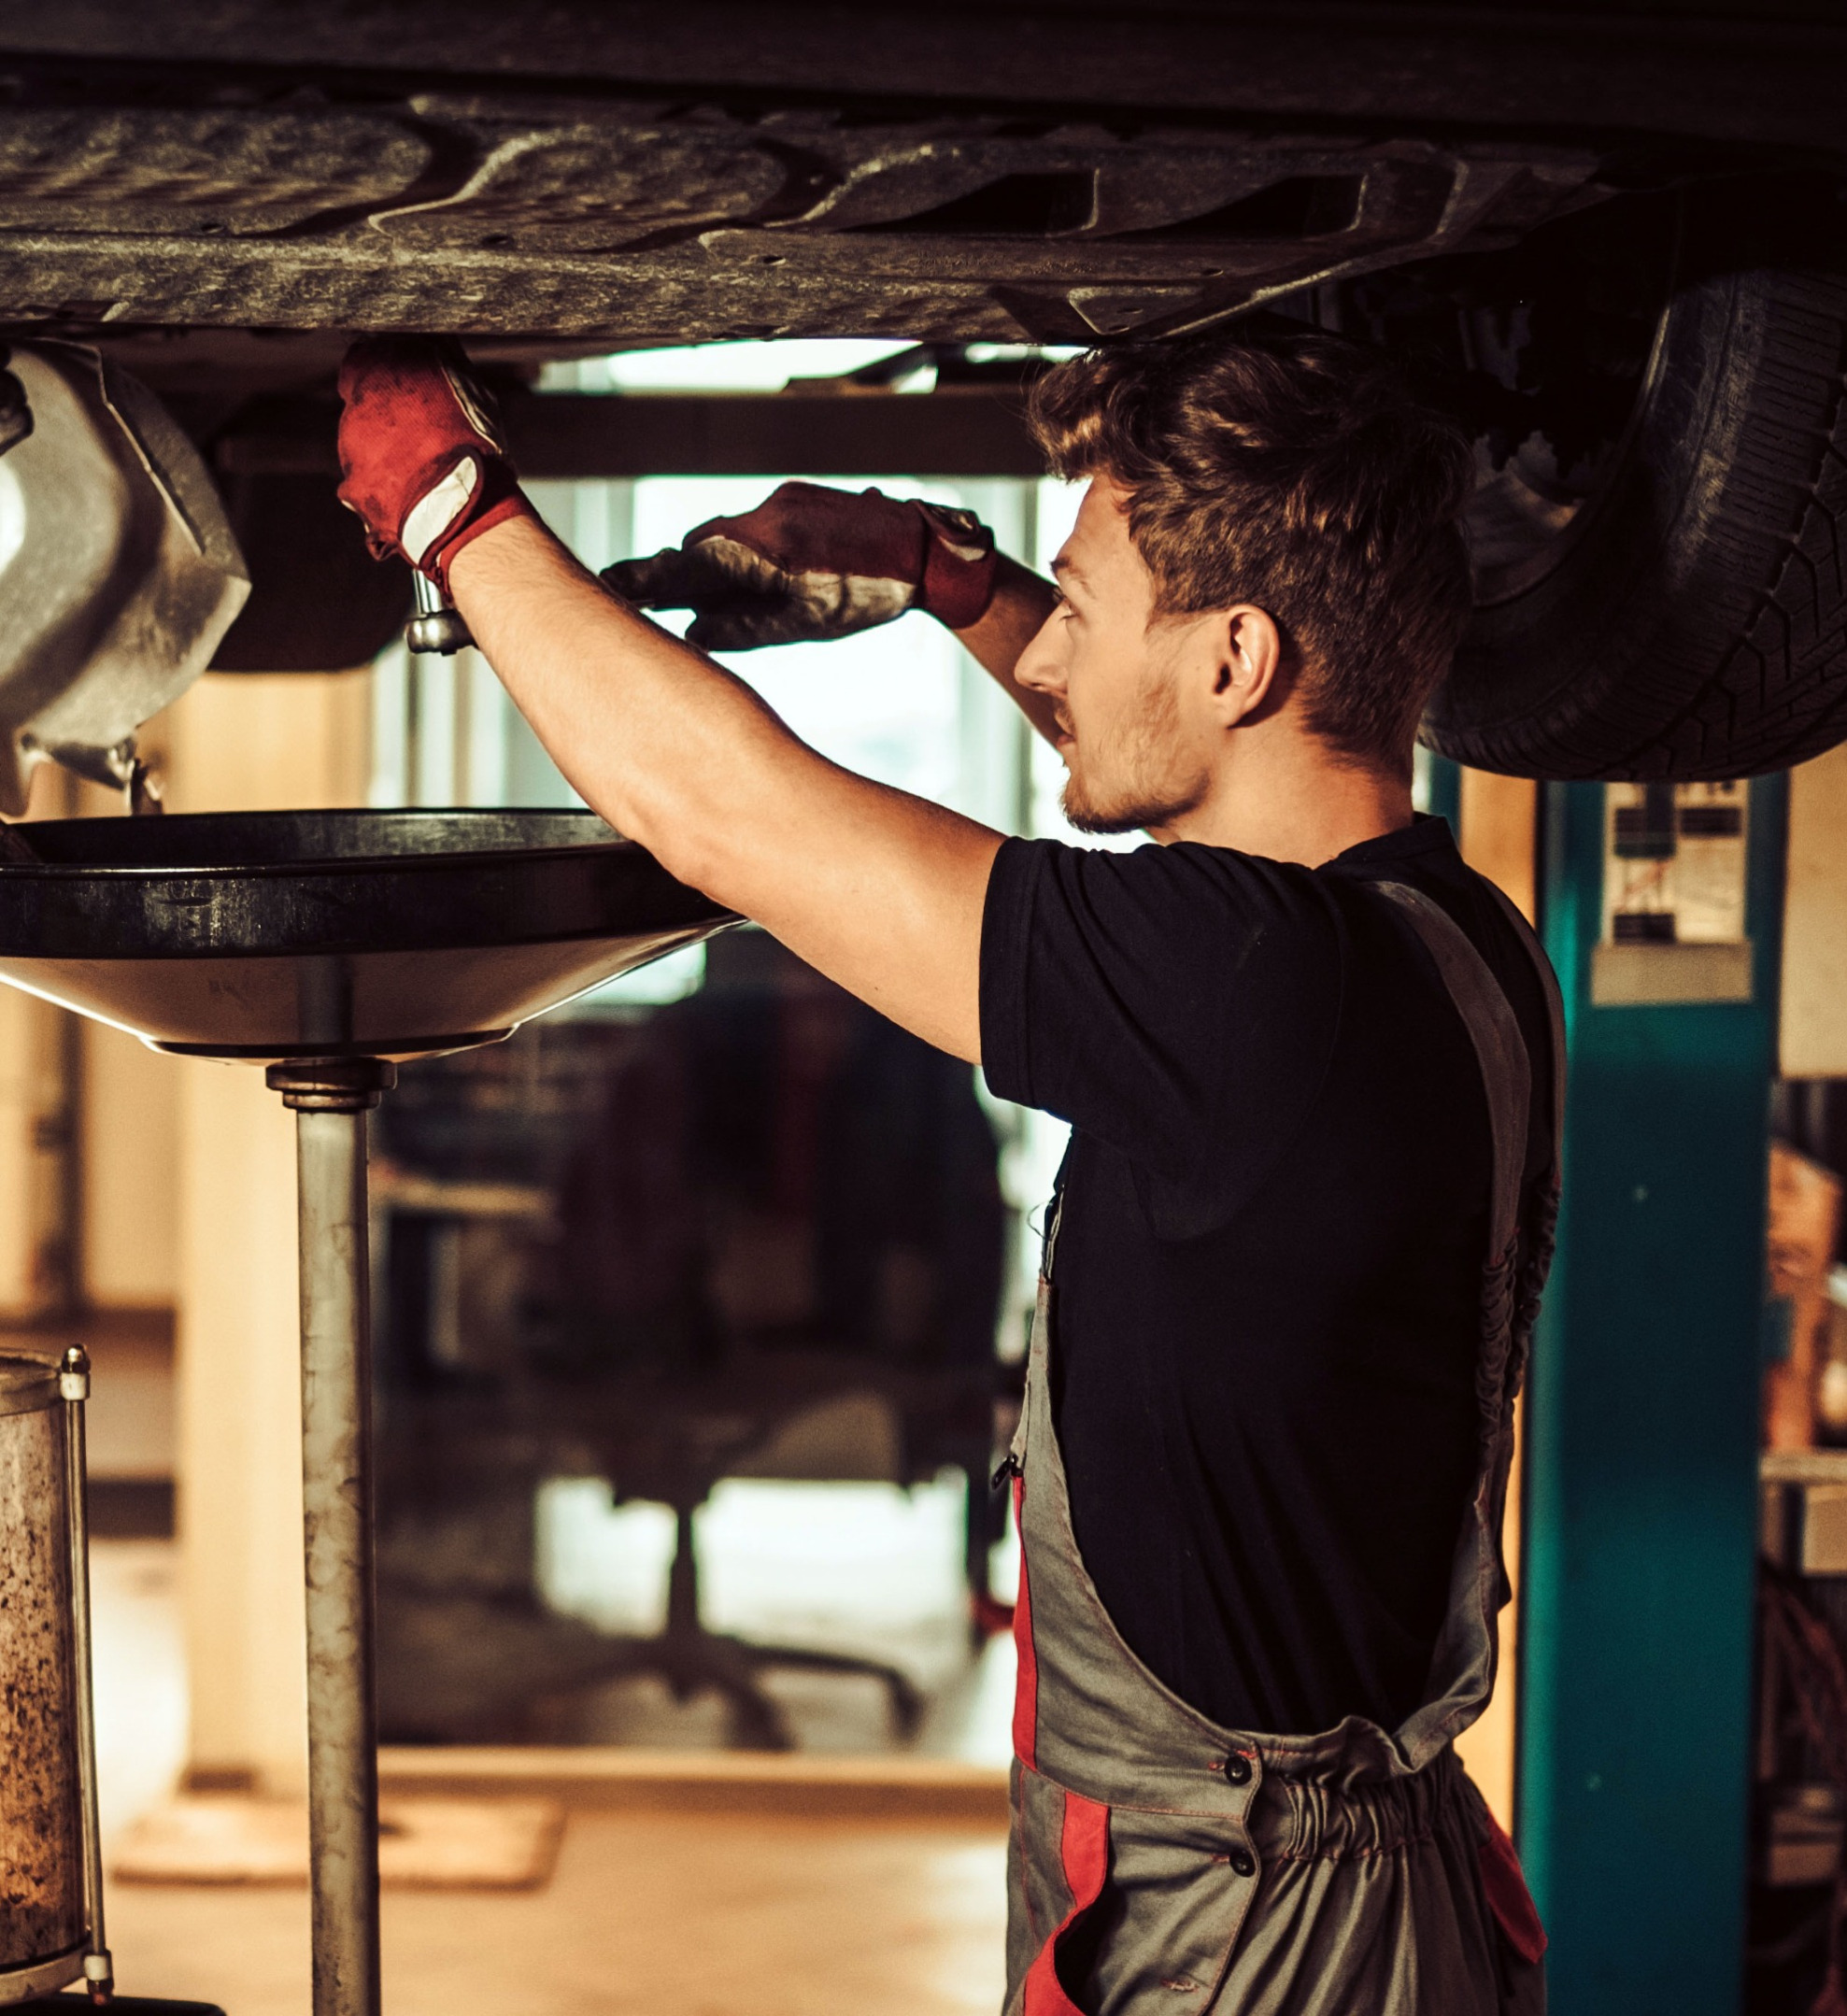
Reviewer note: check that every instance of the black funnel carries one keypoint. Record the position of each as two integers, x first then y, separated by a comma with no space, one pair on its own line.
269,935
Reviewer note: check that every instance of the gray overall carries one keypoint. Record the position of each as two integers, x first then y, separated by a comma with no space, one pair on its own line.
1157,1861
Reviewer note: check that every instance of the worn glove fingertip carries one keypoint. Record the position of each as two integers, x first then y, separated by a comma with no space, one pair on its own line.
669,579
644,582
714,633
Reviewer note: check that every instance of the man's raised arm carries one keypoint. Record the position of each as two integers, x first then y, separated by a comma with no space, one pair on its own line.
880,891
1021,603
811,563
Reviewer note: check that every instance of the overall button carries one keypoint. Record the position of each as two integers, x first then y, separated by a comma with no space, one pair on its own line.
1242,1862
1237,1770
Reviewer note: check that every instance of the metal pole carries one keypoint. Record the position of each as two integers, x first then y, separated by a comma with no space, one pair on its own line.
330,1098
74,1386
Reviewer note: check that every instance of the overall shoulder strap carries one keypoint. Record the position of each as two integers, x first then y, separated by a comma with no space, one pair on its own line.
1500,1049
1542,1224
1462,1666
1554,1006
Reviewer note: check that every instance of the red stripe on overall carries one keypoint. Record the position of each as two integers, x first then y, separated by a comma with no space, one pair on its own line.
1025,1685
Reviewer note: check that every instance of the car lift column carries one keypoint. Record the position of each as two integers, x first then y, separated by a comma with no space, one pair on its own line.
330,1098
1643,1454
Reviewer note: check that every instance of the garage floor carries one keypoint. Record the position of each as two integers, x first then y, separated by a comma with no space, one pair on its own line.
707,1915
702,1914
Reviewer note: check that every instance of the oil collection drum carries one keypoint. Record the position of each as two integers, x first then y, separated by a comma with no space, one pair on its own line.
46,1845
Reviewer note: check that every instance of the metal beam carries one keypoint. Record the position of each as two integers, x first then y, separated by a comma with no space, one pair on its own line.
978,433
567,435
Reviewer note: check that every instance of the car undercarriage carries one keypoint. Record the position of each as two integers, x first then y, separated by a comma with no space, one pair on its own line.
1533,209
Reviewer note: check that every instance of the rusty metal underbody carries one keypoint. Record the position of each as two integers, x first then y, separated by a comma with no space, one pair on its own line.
222,191
608,174
631,220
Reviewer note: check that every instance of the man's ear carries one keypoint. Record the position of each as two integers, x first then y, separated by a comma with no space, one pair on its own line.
1248,680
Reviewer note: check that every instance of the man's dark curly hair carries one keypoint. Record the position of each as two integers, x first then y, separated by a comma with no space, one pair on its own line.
1296,471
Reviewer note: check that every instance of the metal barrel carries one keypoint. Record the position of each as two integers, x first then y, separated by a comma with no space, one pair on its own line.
43,1852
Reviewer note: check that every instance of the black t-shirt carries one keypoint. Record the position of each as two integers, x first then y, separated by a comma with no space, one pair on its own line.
1268,1262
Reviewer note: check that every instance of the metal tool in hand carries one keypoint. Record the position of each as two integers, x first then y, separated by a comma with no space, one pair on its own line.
437,626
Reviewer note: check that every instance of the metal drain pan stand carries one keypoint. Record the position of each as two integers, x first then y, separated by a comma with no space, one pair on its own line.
269,935
328,945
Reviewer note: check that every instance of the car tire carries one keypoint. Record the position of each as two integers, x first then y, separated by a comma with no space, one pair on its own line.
1688,622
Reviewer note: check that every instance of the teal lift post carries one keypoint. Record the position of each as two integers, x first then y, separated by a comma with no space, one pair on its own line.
1641,1447
1442,790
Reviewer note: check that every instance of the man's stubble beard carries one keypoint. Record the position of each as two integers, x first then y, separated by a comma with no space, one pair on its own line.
1152,787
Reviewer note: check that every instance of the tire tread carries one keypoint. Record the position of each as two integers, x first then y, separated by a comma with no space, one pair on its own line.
1739,666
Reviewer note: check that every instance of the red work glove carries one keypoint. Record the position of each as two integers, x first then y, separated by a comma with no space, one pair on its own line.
422,459
815,562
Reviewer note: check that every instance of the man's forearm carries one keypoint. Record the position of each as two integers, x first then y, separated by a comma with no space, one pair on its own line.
649,730
1022,601
879,890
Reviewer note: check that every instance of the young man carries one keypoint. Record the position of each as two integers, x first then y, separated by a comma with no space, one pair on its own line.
1309,1059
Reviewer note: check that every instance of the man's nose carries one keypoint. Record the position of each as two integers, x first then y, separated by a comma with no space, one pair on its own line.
1039,668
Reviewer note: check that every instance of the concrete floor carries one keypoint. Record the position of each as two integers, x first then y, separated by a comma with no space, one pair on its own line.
703,1915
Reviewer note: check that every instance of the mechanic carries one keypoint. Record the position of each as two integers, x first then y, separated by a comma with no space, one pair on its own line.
1310,1061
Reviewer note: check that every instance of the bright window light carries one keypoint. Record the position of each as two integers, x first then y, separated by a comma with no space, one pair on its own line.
883,702
1009,353
12,516
865,1568
764,366
872,1569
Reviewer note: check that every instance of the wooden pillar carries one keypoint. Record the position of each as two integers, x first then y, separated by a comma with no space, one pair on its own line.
41,1060
1496,830
40,1266
130,1159
247,743
1814,954
240,1421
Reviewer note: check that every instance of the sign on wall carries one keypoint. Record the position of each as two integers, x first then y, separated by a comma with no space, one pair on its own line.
1674,895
